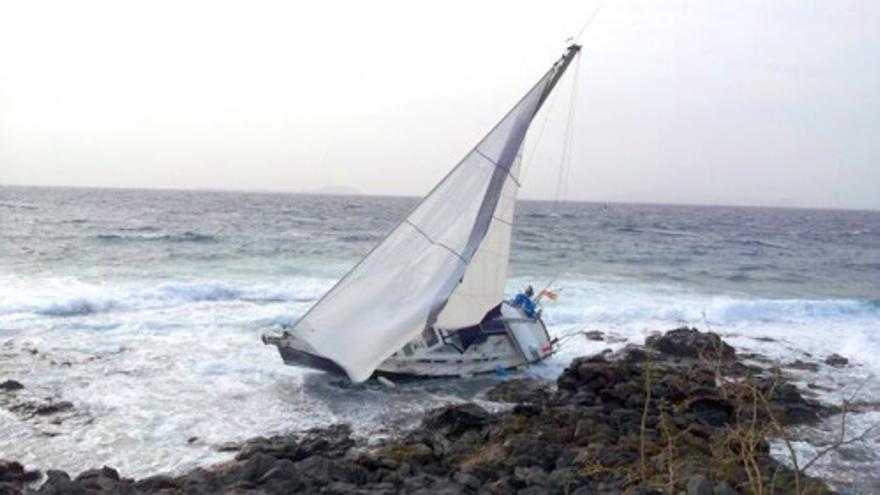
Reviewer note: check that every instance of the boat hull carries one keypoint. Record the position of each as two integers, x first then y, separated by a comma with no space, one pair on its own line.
508,340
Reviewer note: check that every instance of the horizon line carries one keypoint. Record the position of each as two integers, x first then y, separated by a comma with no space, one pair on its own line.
356,193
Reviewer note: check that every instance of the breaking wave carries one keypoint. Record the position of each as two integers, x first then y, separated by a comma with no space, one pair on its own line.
51,304
724,311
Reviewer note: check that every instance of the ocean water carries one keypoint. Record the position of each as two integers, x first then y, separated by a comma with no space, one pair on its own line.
145,310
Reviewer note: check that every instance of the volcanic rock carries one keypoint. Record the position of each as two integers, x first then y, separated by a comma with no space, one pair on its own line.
691,343
836,360
10,386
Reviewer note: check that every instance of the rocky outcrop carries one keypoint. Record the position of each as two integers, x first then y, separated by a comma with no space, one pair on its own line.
13,476
643,420
691,343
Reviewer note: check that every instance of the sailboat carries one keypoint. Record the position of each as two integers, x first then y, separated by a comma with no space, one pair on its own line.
428,300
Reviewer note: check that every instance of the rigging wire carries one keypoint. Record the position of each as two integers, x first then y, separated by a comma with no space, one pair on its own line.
564,177
589,21
565,165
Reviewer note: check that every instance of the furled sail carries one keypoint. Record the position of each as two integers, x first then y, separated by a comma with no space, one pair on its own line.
403,285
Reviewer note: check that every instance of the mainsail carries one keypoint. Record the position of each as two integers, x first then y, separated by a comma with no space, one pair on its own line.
445,263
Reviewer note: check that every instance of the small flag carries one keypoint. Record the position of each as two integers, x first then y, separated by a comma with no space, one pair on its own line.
549,294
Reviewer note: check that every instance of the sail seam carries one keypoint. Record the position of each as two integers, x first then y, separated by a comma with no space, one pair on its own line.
432,241
502,220
499,166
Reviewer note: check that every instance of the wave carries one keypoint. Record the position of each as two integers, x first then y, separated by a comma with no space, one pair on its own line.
184,237
18,206
141,228
759,243
92,300
718,310
358,238
79,306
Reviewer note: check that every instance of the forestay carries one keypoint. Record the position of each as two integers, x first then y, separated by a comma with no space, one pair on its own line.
403,285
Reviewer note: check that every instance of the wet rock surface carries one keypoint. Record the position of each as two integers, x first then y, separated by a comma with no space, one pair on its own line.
10,386
691,343
653,419
836,360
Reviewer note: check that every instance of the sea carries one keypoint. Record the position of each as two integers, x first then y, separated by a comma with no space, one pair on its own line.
145,310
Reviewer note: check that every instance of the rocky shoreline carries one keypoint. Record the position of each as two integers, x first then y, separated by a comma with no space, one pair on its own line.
683,413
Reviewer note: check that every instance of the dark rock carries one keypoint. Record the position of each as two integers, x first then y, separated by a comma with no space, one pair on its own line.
802,365
256,466
836,360
713,411
409,452
699,485
632,353
319,470
104,480
284,469
467,480
57,482
11,386
594,335
157,483
53,408
526,410
532,476
723,488
532,490
14,473
333,441
504,485
692,343
457,419
340,488
519,390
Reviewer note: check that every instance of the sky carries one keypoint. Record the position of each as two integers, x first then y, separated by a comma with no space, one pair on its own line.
743,102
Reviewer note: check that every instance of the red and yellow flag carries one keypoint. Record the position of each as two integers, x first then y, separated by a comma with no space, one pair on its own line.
549,294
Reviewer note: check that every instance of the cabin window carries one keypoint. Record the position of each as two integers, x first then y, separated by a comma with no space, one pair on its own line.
493,327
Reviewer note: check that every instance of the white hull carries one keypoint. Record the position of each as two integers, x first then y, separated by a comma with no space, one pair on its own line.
506,341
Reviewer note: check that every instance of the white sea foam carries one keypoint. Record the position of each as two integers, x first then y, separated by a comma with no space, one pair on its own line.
154,363
61,297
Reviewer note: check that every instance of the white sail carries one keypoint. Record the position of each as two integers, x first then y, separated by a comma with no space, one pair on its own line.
402,286
482,286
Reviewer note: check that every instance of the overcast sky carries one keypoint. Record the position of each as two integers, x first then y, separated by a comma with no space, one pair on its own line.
720,102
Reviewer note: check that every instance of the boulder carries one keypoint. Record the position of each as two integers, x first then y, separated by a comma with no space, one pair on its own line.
10,386
333,441
797,364
457,419
699,485
691,343
519,390
14,473
713,411
836,360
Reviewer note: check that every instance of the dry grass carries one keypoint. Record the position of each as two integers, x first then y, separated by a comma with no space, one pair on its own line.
744,444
